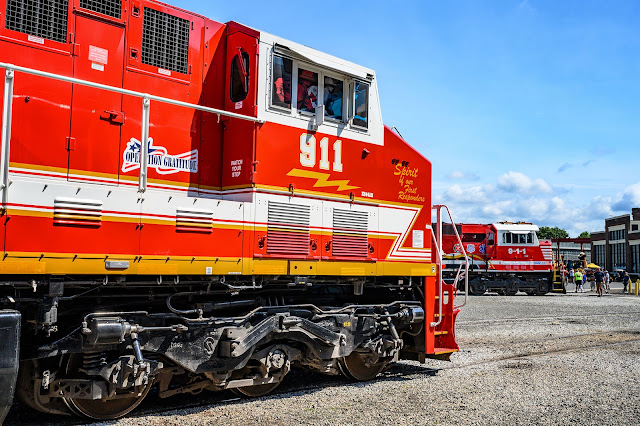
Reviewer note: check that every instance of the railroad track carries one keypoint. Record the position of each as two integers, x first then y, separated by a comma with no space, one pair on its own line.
303,382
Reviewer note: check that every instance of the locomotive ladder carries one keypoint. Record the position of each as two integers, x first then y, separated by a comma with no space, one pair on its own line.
7,104
437,239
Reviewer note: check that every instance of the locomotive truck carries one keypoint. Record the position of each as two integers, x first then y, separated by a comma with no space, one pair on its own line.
190,205
505,257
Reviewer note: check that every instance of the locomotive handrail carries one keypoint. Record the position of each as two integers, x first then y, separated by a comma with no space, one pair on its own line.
438,242
146,99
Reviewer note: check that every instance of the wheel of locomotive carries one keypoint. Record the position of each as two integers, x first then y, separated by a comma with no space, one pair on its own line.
119,405
360,366
513,291
27,394
256,391
477,291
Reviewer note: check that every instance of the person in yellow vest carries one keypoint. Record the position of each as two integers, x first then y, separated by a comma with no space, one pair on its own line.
578,277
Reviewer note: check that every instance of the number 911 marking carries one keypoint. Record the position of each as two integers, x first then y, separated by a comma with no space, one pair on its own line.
308,149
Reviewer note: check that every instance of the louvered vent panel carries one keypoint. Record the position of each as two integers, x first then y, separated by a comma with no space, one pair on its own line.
191,220
288,229
111,8
40,18
165,41
350,237
72,211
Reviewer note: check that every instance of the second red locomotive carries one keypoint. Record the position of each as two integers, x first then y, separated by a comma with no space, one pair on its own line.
505,257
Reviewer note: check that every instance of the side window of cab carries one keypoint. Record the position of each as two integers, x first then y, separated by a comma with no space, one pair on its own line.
333,96
281,83
239,77
361,104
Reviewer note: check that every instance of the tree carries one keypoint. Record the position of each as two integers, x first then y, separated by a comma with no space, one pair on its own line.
547,233
584,234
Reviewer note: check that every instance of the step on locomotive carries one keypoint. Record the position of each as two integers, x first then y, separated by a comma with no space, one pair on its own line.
191,205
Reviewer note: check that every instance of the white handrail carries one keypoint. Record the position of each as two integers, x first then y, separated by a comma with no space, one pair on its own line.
128,92
146,103
5,144
438,246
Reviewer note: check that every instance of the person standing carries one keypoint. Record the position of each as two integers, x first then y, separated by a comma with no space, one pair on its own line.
598,277
625,282
572,276
607,281
578,277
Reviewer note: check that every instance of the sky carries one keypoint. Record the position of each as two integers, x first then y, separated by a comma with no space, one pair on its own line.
528,110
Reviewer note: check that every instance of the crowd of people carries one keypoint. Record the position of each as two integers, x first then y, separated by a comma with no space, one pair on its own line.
597,278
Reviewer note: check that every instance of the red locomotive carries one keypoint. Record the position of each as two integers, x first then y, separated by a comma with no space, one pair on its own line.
199,206
504,257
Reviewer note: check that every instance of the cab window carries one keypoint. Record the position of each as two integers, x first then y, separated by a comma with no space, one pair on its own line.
307,90
281,84
361,104
239,77
333,96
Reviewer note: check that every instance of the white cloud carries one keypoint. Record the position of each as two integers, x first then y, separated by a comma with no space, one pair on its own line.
629,198
517,197
521,183
458,175
466,194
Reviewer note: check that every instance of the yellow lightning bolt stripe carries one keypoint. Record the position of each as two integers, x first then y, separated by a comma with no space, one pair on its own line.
322,179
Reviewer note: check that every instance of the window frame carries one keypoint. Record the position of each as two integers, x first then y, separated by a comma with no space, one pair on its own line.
271,84
294,90
513,239
321,99
244,56
348,93
352,114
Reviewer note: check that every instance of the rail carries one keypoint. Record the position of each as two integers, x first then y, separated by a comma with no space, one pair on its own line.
437,240
7,104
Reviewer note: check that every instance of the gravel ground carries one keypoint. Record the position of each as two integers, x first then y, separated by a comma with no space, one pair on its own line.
553,359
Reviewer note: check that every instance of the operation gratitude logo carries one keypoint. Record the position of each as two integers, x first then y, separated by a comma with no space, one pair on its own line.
159,159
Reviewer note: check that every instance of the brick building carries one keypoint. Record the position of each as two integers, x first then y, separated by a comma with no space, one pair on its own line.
618,246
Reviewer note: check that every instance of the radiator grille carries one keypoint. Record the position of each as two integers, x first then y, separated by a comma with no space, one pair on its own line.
111,8
350,233
191,220
165,41
288,229
71,211
40,18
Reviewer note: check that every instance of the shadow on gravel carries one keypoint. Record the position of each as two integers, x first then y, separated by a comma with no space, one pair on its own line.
518,365
297,382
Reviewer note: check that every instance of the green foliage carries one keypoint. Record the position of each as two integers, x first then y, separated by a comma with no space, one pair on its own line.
547,233
584,234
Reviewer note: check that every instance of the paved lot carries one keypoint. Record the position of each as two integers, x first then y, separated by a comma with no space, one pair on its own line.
553,359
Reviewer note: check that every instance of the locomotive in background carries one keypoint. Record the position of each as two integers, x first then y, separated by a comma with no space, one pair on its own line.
199,206
504,257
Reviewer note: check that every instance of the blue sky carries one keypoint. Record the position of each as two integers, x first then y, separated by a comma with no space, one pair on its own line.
529,110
